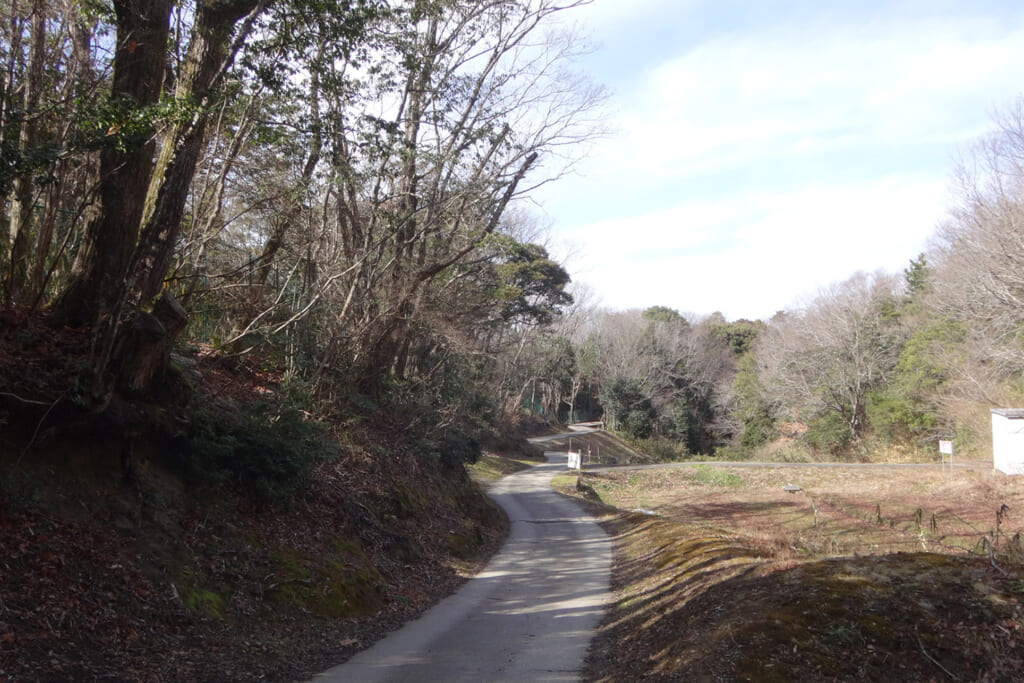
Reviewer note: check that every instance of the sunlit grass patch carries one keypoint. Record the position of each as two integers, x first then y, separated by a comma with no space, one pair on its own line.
714,476
490,468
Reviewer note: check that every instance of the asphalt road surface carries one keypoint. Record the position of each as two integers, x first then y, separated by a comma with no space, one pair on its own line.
528,616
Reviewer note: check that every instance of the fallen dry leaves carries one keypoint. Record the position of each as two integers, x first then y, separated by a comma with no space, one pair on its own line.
149,580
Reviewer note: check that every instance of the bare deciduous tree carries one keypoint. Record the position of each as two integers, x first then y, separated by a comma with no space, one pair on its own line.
979,251
828,357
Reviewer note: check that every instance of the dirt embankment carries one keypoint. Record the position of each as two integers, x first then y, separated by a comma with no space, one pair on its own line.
599,448
145,578
99,581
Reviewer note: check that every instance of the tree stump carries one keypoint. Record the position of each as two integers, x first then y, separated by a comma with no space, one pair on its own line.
146,354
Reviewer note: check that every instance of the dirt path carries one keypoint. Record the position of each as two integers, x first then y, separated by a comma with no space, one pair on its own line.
528,616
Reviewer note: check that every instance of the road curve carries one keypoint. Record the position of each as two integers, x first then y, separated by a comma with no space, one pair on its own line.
528,616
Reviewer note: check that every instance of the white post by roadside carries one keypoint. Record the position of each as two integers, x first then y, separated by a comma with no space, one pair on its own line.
575,461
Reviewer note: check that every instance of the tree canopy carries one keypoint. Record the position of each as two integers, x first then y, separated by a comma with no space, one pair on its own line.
335,186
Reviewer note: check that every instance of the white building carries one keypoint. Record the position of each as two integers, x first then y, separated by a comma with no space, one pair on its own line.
1008,440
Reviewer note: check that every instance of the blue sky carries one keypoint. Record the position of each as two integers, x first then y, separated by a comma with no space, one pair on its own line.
766,148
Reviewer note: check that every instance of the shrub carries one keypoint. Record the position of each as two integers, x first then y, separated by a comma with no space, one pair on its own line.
733,454
458,447
895,418
637,424
454,448
829,432
264,448
758,428
660,448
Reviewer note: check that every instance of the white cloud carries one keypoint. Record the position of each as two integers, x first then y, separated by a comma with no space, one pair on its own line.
673,228
901,84
752,262
759,163
611,15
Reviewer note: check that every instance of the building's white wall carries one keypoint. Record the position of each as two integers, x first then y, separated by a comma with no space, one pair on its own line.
1007,444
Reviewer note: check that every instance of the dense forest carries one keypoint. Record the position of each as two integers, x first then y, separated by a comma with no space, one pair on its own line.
335,189
880,365
265,270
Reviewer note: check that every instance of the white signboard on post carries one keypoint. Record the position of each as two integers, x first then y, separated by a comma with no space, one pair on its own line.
946,449
574,461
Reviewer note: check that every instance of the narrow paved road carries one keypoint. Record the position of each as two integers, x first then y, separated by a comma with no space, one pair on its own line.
528,616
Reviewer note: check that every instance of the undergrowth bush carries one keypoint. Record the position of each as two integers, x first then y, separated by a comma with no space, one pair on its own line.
734,453
263,448
452,448
427,414
787,450
829,433
659,448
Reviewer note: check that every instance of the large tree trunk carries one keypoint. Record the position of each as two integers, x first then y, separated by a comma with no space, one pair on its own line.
128,247
98,277
209,54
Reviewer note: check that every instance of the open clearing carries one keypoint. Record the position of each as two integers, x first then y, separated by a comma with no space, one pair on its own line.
862,574
838,511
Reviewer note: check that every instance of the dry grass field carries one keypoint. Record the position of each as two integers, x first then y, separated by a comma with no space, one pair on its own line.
837,511
726,572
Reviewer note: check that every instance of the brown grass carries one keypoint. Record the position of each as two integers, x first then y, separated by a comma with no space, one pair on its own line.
864,574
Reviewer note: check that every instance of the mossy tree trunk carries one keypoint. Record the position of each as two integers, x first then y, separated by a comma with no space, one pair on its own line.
100,272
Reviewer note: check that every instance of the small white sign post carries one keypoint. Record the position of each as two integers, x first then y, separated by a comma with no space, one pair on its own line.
575,462
946,448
